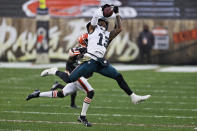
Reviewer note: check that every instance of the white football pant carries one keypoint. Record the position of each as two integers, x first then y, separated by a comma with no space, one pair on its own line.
80,84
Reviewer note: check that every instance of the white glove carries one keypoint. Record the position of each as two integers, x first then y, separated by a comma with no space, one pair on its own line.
98,14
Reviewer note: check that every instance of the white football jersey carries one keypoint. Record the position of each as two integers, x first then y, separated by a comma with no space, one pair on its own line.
98,42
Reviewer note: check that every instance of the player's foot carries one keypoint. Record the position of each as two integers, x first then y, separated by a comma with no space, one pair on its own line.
84,121
137,99
55,86
73,106
50,71
33,95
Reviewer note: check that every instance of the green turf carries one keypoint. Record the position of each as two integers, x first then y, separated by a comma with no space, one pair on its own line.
172,107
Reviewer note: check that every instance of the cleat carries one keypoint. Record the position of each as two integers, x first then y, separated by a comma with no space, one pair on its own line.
137,99
50,71
55,86
74,106
84,121
35,94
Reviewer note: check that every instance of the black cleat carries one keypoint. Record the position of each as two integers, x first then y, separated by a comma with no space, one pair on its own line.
84,121
55,86
33,95
74,106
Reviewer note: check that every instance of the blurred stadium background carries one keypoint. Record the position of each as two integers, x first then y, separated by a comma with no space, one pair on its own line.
58,24
173,20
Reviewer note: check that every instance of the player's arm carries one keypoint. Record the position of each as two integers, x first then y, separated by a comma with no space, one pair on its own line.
118,28
92,25
71,59
99,13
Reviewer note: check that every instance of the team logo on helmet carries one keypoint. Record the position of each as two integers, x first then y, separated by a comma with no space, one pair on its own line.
83,40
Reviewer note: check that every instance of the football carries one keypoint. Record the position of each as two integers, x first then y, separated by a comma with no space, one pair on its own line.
108,11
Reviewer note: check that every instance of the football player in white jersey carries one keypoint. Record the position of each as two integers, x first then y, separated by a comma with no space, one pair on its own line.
80,84
93,61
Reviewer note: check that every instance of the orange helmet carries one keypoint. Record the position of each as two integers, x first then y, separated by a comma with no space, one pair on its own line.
83,40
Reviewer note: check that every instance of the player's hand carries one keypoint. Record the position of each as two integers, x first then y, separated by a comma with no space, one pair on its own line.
104,6
116,9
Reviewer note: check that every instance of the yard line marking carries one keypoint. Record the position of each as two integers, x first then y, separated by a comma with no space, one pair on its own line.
13,130
19,79
105,124
105,115
170,109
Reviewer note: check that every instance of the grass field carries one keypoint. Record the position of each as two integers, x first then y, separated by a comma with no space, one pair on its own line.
172,107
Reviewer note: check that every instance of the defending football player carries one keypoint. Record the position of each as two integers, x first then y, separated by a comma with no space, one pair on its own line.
93,61
81,84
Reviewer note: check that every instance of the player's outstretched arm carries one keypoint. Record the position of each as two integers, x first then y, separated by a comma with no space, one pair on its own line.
118,27
92,25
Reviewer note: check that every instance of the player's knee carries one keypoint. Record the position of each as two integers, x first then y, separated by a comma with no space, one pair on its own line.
90,94
60,94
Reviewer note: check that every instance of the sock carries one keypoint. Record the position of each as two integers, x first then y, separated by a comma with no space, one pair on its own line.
73,96
86,104
46,94
51,94
123,85
64,76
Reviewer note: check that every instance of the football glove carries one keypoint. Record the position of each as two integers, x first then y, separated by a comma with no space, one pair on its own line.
116,9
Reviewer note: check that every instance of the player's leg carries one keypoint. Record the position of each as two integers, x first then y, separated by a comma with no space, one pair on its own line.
72,99
83,84
82,70
56,86
50,94
55,71
111,72
67,90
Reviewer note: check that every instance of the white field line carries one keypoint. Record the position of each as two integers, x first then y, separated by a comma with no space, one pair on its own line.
12,129
104,124
28,65
104,115
109,107
178,69
19,79
121,67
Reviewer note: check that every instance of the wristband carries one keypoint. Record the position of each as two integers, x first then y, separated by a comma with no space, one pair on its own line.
117,14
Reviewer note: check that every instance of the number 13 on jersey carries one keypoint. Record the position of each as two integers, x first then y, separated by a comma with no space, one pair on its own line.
103,42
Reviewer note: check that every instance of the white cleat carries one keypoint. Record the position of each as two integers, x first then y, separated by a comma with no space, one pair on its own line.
137,99
50,71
